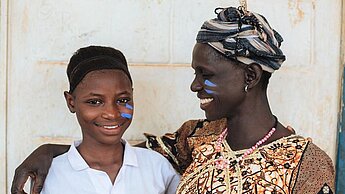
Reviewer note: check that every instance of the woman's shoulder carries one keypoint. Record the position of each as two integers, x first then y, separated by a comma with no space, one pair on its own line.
290,148
296,144
304,144
316,171
314,155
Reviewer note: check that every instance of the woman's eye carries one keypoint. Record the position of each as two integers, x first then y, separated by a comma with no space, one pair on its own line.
94,102
206,75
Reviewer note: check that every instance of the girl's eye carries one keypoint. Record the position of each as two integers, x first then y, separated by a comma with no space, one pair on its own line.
94,102
123,101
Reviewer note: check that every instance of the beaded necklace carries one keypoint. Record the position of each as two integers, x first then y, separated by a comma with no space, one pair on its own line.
222,163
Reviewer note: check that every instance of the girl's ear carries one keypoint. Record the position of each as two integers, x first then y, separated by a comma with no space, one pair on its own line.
70,101
253,73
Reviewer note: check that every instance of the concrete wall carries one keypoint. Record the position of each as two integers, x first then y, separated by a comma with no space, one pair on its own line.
157,37
3,95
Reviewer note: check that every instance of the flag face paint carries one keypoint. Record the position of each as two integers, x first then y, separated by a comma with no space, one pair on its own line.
126,115
209,91
209,83
128,106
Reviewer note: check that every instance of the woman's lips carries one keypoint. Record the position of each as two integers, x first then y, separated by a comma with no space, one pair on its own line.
204,102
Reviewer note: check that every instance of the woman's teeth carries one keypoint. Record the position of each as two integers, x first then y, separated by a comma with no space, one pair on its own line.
206,100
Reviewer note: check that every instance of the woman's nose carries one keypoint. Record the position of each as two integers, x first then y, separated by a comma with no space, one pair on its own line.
196,86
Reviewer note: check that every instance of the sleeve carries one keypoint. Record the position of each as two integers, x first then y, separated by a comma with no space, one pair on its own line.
173,181
316,174
174,146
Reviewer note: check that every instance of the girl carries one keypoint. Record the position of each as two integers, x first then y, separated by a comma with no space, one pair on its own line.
101,96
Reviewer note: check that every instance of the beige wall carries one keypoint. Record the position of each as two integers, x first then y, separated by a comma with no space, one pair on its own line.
3,81
157,37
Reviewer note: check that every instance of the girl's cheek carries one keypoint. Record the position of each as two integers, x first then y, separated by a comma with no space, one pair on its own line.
127,111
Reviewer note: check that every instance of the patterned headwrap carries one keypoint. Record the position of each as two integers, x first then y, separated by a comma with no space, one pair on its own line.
244,36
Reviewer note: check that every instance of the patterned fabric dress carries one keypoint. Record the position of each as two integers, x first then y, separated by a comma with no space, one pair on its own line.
291,164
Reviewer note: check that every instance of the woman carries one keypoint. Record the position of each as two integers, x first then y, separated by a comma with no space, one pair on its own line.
241,147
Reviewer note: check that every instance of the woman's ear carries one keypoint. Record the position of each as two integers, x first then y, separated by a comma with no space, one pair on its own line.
253,73
70,101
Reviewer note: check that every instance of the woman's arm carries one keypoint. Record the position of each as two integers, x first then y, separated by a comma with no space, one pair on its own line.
36,165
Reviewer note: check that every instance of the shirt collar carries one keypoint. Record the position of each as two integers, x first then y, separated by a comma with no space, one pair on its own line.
130,156
78,163
75,159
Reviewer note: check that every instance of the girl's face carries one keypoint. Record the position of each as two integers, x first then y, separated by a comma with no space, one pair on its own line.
219,83
103,103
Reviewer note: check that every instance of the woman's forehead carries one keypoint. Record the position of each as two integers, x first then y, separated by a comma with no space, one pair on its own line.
205,55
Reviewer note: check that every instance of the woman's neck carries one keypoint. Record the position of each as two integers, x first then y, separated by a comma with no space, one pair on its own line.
251,124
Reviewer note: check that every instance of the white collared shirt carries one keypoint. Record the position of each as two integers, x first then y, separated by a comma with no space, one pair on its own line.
143,172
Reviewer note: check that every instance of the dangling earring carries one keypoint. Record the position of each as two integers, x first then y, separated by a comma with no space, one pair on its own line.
246,88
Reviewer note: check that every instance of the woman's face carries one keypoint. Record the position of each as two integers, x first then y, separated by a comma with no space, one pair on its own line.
103,103
219,82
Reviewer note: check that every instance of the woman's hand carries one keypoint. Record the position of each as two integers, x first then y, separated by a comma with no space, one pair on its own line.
36,166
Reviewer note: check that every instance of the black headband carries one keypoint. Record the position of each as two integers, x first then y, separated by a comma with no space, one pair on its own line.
95,63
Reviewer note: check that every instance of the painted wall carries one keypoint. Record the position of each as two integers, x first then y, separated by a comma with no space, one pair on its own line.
3,102
157,37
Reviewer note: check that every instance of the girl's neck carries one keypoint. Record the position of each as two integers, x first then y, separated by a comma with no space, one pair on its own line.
98,155
106,158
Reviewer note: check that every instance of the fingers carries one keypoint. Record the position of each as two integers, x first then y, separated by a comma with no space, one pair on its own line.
39,181
20,177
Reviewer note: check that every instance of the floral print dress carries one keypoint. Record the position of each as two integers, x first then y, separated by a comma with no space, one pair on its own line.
291,164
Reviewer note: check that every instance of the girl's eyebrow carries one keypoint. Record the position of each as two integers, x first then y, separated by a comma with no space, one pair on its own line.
94,94
91,94
100,95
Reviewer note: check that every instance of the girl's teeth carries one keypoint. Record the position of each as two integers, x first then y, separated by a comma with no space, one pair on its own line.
206,100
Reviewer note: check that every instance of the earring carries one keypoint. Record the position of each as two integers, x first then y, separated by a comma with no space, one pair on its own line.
246,88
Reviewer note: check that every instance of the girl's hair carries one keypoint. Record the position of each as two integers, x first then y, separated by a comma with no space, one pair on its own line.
94,58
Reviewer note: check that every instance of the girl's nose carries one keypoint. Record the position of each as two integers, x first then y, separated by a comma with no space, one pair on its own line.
110,112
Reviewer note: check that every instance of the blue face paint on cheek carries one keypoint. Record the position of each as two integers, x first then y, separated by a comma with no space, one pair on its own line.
128,106
126,115
209,83
209,91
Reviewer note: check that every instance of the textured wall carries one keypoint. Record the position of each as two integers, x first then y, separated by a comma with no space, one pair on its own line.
3,81
157,37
